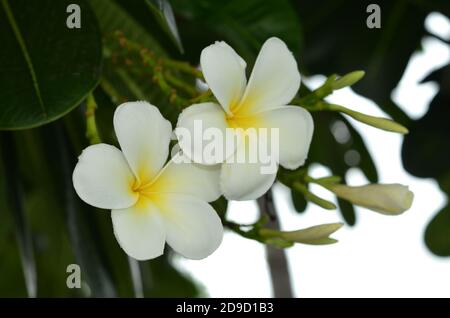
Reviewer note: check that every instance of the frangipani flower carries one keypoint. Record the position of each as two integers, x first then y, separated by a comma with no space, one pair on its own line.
151,203
260,103
389,199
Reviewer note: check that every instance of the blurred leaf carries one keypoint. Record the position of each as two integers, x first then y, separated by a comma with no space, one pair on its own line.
162,279
46,69
221,206
426,151
113,17
426,154
15,196
337,40
347,211
298,201
245,25
163,13
333,141
129,82
437,236
85,242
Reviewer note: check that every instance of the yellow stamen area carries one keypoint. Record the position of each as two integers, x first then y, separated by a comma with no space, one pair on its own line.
245,121
147,193
242,114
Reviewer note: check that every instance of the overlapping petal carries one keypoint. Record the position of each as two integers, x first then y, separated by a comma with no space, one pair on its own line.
103,178
180,176
144,137
140,230
193,228
224,72
246,179
274,81
199,125
295,130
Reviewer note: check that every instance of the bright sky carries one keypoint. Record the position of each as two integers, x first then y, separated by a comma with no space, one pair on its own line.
381,256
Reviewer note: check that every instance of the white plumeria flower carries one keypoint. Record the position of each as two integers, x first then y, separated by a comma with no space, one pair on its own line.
262,103
151,203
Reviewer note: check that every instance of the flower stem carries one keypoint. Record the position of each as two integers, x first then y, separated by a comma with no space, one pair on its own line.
312,197
91,126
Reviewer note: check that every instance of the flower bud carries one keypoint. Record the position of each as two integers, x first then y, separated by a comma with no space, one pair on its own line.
315,235
377,122
389,199
348,79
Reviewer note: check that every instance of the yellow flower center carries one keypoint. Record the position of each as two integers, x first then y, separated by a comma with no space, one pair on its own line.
147,192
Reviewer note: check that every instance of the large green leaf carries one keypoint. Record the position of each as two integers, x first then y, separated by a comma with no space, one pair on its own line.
245,25
46,69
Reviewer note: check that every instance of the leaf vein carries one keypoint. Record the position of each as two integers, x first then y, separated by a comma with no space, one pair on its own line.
26,55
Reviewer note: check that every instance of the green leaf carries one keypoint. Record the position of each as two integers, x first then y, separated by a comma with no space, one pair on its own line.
331,46
122,82
162,10
347,211
162,279
220,205
245,25
425,150
437,236
298,200
112,17
46,69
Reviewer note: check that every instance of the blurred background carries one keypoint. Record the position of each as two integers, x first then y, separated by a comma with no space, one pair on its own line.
44,227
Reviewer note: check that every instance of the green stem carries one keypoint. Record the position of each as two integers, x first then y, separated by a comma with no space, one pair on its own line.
158,77
325,181
91,126
183,67
177,82
111,91
203,97
312,197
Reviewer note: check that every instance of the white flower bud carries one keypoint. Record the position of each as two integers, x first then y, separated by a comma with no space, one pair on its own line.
389,199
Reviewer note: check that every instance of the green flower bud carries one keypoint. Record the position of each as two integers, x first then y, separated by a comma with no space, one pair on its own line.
315,235
348,79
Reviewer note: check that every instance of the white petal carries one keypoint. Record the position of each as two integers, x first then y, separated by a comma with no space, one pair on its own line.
193,126
193,228
274,81
295,127
245,180
102,178
139,230
182,176
224,72
144,136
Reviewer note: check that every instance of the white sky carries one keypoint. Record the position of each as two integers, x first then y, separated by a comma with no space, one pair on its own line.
381,256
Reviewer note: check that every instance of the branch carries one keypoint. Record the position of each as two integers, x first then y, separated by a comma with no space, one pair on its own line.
276,258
